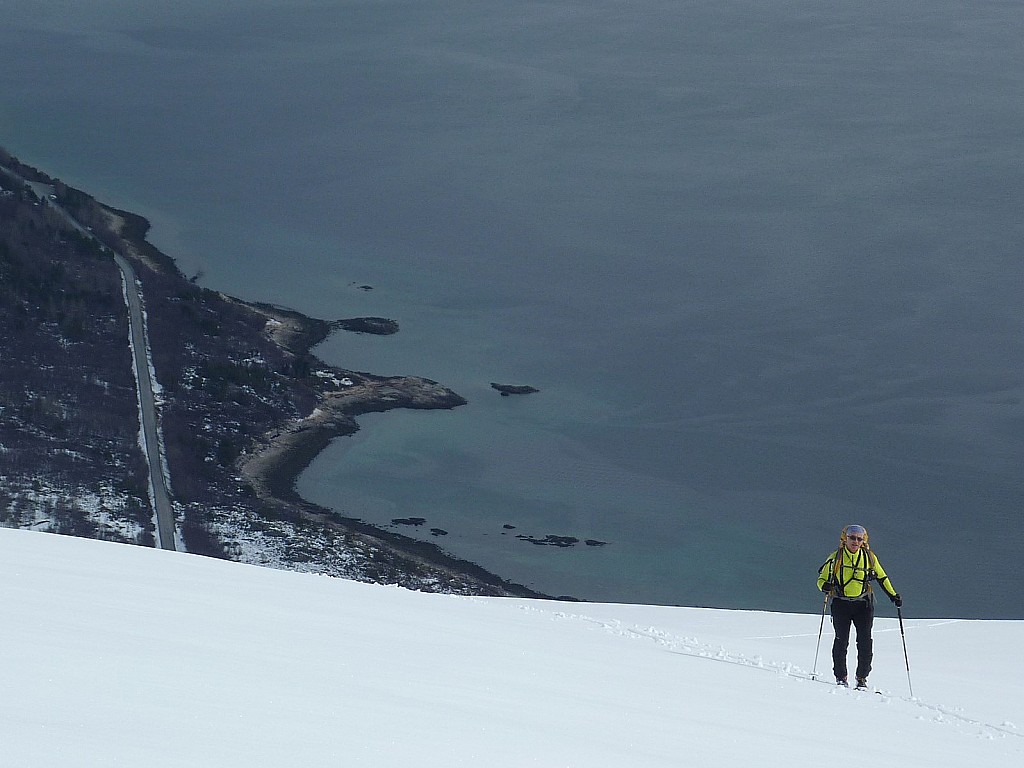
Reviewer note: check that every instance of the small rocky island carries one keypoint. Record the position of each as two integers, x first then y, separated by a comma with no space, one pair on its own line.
380,326
514,389
244,405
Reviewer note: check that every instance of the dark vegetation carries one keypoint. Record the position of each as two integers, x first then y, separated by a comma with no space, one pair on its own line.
68,418
225,384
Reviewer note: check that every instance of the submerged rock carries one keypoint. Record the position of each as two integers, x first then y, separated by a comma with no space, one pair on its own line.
551,540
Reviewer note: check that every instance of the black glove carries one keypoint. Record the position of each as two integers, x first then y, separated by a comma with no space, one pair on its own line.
896,600
827,588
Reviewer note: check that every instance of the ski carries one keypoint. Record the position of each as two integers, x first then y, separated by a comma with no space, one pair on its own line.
847,686
866,689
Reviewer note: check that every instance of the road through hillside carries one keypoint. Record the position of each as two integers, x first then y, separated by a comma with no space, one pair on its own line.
163,513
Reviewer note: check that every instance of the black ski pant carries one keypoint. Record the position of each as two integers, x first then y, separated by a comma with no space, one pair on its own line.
861,614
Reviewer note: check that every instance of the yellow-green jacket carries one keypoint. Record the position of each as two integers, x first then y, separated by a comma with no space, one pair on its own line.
852,579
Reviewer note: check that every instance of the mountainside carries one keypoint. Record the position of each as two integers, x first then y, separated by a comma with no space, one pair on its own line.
243,404
128,656
69,447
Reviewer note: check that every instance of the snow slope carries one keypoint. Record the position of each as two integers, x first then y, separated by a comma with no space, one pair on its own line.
119,655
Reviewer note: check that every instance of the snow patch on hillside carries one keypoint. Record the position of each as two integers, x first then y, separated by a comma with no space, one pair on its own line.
48,507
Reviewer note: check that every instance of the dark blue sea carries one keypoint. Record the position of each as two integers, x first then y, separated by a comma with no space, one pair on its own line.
763,260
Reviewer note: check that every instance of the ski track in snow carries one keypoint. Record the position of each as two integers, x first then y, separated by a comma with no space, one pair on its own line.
694,648
876,630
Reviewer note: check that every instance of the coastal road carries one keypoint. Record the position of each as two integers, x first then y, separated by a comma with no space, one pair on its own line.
163,513
162,510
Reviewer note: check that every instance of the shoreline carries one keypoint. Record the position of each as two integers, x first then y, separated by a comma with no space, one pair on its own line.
273,465
322,404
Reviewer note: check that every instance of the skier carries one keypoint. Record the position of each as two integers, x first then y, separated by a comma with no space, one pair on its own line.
846,577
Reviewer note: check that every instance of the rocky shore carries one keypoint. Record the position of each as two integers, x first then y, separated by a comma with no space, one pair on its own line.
246,407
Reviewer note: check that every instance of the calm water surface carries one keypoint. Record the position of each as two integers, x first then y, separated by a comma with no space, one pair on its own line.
763,261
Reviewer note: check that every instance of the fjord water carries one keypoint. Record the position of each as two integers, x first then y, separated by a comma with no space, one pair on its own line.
762,259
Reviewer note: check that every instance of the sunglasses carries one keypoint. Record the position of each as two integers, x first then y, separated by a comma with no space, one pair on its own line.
855,538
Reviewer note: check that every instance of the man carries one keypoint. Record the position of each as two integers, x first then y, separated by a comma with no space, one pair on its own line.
846,577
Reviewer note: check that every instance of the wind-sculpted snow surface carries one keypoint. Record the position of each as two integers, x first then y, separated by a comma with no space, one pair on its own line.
119,655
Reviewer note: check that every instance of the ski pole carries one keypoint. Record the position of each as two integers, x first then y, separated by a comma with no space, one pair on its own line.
821,627
899,613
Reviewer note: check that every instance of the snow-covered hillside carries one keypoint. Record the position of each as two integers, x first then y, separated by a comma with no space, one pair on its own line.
120,655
